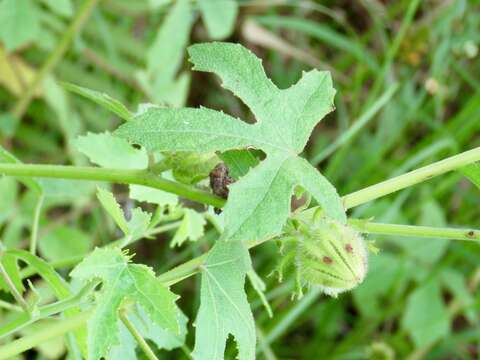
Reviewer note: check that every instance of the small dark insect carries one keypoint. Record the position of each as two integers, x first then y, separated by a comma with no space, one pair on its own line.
219,181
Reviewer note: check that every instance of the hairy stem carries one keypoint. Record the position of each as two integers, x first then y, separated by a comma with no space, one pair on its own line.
121,176
142,177
57,54
415,231
411,178
140,340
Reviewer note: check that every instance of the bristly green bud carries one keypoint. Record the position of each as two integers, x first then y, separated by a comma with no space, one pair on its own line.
331,255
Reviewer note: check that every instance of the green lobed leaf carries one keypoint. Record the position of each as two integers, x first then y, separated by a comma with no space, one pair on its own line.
109,151
259,203
111,206
123,281
224,308
270,199
102,99
165,129
219,17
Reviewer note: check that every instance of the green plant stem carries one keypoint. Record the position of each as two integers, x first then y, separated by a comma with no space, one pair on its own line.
192,267
411,178
36,221
142,177
57,54
13,290
48,332
140,340
182,271
121,176
45,311
160,166
8,306
415,231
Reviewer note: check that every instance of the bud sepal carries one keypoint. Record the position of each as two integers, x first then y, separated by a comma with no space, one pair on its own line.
327,254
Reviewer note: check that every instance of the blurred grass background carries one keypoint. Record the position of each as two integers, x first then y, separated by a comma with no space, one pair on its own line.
407,76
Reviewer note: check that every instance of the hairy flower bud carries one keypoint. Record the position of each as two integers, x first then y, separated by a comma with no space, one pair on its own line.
331,255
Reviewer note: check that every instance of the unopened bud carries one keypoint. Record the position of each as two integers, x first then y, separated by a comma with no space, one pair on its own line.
332,255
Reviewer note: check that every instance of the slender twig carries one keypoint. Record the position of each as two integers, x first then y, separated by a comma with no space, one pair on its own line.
140,340
57,54
411,178
35,224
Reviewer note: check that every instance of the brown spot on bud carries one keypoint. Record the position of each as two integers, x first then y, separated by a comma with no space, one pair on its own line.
349,248
327,260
